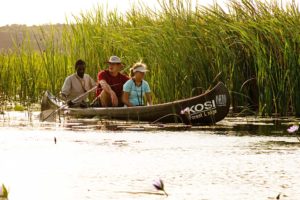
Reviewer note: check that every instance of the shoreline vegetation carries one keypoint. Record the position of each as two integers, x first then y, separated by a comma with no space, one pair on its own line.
253,47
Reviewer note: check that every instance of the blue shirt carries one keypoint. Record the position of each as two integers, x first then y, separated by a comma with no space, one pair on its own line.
136,93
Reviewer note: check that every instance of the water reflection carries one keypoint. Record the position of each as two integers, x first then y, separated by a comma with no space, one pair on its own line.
87,162
238,126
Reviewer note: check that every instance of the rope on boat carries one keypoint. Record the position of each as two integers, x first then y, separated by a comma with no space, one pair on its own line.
168,115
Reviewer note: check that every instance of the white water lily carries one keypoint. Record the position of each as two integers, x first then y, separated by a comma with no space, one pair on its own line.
185,111
159,185
293,129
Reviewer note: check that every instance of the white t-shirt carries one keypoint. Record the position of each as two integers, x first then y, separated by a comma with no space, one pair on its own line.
74,86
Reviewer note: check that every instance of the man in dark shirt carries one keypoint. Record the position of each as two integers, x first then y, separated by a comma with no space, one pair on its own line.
111,83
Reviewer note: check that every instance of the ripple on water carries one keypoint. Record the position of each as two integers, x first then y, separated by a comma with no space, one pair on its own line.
88,162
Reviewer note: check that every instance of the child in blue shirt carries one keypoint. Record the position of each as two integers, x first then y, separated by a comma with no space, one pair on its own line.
136,88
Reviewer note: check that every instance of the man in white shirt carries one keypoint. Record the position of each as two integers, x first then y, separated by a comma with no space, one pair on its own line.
76,85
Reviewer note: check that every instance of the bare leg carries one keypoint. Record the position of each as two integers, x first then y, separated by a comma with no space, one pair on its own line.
105,99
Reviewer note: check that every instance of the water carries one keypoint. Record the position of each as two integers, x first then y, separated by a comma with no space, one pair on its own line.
208,163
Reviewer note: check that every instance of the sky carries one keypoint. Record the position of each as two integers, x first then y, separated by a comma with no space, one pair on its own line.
37,12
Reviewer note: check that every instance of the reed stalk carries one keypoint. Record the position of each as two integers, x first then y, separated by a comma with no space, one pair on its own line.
255,45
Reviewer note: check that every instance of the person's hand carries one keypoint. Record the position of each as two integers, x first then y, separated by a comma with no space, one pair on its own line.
63,96
70,103
114,99
84,105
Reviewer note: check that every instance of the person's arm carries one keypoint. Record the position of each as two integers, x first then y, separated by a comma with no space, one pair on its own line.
92,82
148,93
125,99
127,87
106,87
149,98
66,88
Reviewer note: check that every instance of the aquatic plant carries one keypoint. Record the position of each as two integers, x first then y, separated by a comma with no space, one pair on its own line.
159,185
294,129
278,196
19,107
254,44
3,191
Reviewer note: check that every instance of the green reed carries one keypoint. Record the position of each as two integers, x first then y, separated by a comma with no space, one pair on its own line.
252,46
34,64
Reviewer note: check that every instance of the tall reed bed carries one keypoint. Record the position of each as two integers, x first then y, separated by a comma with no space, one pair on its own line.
254,45
37,62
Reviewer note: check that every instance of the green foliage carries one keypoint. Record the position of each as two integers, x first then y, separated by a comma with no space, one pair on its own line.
184,48
19,108
3,192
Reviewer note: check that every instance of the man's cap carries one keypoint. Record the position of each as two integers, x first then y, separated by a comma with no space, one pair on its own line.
114,60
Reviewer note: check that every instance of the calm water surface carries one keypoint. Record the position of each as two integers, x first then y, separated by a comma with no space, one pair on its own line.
215,163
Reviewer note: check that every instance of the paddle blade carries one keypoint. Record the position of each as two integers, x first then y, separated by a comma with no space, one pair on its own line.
48,115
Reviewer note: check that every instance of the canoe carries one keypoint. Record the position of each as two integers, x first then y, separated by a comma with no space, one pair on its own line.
207,108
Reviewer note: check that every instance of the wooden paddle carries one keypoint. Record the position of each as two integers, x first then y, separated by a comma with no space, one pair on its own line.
73,101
